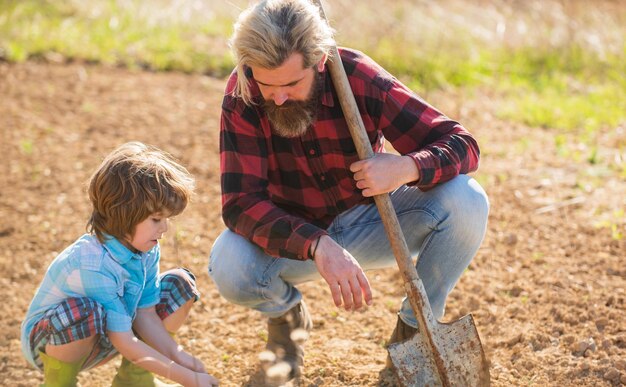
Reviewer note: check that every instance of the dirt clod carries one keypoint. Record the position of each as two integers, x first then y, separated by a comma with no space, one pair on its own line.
612,374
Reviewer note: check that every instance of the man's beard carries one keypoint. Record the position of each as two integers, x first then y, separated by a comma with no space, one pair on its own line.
293,118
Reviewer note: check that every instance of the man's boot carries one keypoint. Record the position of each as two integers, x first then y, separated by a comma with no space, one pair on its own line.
132,375
401,332
58,373
281,341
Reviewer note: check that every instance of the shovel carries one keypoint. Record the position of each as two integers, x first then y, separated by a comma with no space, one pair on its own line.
439,354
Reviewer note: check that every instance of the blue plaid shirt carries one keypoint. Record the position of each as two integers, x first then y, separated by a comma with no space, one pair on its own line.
120,280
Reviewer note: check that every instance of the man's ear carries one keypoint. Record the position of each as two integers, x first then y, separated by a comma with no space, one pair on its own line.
322,63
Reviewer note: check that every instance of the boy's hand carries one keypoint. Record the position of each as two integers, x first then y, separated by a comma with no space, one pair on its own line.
204,379
188,361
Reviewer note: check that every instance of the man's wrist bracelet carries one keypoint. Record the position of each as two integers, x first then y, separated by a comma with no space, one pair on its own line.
315,248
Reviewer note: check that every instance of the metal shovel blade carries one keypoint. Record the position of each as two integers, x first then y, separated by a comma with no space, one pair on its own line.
461,359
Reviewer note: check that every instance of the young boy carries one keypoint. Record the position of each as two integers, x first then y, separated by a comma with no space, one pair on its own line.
104,295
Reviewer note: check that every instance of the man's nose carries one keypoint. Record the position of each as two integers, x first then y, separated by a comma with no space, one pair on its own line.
280,97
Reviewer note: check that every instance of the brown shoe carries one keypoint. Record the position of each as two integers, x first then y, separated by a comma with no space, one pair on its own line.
287,333
401,332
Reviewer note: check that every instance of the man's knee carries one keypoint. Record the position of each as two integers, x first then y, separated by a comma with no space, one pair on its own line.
479,202
467,207
233,270
463,196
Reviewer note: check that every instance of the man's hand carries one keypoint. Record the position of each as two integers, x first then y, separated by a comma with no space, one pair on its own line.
344,275
383,173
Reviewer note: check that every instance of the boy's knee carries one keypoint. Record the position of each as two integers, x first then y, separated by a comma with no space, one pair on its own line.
178,287
180,276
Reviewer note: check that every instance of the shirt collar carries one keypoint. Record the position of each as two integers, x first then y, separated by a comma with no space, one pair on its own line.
118,251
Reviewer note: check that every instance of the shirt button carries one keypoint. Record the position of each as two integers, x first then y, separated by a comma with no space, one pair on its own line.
312,152
323,178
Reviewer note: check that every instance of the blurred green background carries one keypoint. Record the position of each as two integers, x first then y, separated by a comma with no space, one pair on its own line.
553,63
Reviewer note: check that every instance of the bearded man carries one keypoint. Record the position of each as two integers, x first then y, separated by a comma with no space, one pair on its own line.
298,202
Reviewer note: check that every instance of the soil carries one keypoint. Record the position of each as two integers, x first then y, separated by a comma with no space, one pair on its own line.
547,289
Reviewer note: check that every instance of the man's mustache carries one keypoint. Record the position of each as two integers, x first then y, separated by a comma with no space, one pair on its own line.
287,105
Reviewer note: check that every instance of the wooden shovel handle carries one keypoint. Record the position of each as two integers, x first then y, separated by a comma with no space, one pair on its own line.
412,284
364,149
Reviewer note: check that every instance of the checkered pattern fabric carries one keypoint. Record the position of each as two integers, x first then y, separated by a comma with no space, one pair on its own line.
282,193
177,287
79,318
108,273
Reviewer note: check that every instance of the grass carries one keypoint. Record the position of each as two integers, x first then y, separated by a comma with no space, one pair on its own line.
589,98
573,84
26,147
556,64
112,34
612,223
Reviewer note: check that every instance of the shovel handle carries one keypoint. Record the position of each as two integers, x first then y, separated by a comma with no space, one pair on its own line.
412,284
364,150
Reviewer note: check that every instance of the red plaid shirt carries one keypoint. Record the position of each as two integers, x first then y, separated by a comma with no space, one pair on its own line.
282,193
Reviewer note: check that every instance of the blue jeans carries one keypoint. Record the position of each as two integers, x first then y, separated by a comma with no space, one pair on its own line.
444,227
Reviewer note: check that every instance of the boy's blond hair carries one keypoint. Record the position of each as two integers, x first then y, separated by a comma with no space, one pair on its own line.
133,182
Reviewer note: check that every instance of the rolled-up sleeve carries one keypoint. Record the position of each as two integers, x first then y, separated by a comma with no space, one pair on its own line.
440,147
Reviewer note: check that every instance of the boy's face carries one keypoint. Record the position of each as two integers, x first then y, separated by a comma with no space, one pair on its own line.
148,232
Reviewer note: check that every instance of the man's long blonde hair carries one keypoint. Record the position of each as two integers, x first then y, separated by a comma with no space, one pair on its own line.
267,33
